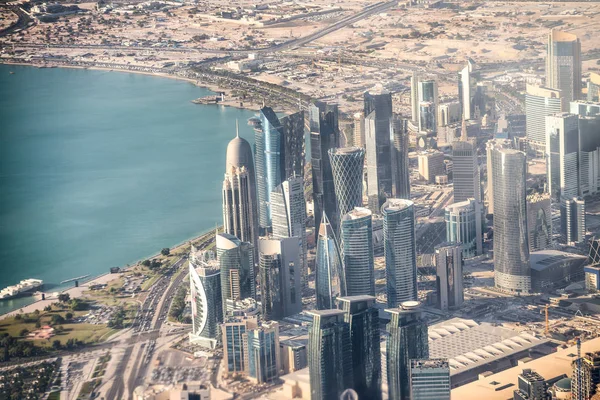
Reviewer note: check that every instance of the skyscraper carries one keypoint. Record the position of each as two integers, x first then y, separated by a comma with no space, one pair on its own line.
407,340
363,317
490,146
414,96
359,130
401,171
293,145
593,87
431,164
347,166
288,215
465,170
263,352
280,277
572,219
269,162
511,244
236,260
464,225
589,155
562,154
539,221
357,250
235,342
330,355
378,125
430,379
240,204
539,103
400,251
330,280
449,275
563,64
205,295
532,386
324,135
428,102
467,82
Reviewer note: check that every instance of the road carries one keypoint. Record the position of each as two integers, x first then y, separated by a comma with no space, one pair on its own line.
23,22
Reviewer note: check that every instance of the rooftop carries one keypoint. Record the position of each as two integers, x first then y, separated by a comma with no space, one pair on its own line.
397,204
358,212
544,259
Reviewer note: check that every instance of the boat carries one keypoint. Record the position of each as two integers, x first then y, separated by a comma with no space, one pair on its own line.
11,72
21,288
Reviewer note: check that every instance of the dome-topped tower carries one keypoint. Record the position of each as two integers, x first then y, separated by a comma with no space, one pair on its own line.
239,153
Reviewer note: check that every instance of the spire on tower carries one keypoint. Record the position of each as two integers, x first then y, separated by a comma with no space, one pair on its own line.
237,129
463,133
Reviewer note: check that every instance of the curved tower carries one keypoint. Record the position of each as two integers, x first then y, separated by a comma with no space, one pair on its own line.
347,166
400,251
357,245
330,282
511,244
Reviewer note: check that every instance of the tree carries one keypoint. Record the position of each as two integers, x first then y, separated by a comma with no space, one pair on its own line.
56,345
64,297
69,316
57,319
18,317
23,332
38,324
78,304
48,308
165,252
146,263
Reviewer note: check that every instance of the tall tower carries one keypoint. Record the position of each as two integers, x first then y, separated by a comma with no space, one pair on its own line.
572,218
347,166
465,170
430,379
562,154
288,215
539,221
324,135
269,162
363,317
378,121
490,146
400,251
449,275
467,82
511,244
330,279
330,355
539,103
240,204
563,64
263,352
414,96
428,105
236,260
589,155
206,301
408,340
280,277
593,87
357,249
464,225
293,145
401,171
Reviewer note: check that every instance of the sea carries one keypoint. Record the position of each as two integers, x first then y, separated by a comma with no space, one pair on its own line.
100,169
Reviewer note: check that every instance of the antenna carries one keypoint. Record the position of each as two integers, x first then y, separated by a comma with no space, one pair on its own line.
237,128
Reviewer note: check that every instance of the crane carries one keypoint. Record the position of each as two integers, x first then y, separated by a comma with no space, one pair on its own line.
547,325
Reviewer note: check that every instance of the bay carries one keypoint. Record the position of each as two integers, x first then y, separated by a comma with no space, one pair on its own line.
101,168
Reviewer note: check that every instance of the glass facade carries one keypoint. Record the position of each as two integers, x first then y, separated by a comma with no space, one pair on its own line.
400,251
329,355
401,171
293,145
449,275
205,295
363,319
263,352
539,221
330,282
347,168
429,379
540,102
235,342
465,172
562,148
464,225
236,260
563,64
357,250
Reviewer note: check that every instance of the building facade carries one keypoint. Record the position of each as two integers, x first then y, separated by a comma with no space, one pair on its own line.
400,251
293,145
236,260
589,155
263,352
572,219
347,167
330,277
490,146
464,225
401,171
562,154
430,379
539,103
539,221
357,251
465,171
563,64
449,275
431,164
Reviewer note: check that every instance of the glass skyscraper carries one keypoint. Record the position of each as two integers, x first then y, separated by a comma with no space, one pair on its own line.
357,250
539,221
347,167
363,319
449,275
465,171
401,170
539,103
464,225
236,260
407,340
329,355
293,145
563,64
324,135
330,281
430,379
263,352
400,251
511,244
562,154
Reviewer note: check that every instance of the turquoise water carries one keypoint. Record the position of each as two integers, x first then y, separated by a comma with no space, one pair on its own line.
100,169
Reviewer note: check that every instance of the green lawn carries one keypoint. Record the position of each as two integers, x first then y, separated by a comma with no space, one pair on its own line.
54,396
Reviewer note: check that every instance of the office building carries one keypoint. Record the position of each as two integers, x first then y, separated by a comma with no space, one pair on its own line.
532,386
511,244
288,216
407,340
240,204
430,379
401,170
205,297
378,125
584,108
363,317
562,148
263,352
414,96
280,277
449,113
465,170
572,219
235,343
293,354
358,135
347,167
464,225
594,251
491,145
357,251
330,355
330,278
539,221
539,103
431,164
563,64
293,145
428,102
593,87
589,155
449,275
324,135
467,88
400,251
236,260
